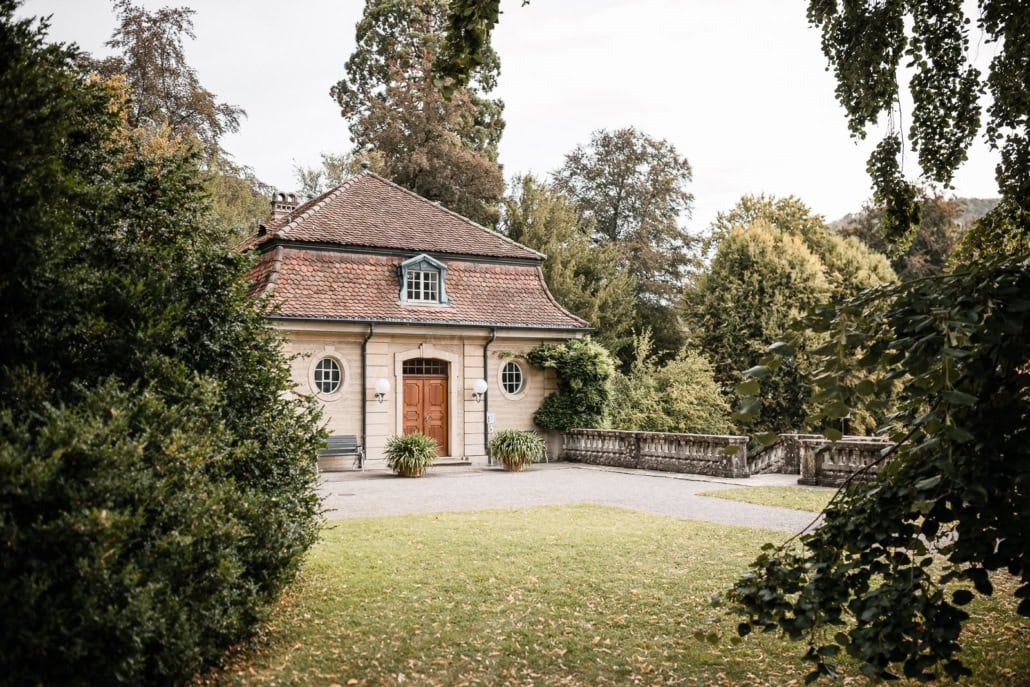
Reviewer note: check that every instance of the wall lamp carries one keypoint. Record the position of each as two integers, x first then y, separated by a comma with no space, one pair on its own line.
478,389
382,388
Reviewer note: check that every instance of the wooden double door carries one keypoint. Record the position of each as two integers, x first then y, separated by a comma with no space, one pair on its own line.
425,400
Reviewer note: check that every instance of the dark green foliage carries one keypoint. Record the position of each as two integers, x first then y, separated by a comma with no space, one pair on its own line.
584,370
468,39
868,44
156,480
960,345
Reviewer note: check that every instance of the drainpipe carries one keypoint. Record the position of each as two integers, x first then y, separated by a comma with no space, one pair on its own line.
364,395
486,396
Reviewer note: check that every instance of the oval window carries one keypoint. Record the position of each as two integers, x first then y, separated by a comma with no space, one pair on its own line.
327,376
512,380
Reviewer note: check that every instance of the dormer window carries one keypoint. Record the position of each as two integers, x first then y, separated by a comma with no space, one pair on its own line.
423,286
423,280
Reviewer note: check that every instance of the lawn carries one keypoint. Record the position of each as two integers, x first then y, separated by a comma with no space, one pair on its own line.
799,498
561,595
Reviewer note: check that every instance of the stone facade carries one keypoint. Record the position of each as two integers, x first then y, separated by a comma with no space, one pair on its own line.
387,350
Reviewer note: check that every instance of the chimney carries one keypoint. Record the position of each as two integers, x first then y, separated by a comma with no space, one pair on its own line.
283,205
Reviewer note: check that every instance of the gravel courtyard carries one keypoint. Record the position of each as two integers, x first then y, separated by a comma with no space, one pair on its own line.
459,488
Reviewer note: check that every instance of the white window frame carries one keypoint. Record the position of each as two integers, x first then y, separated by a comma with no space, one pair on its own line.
501,381
423,286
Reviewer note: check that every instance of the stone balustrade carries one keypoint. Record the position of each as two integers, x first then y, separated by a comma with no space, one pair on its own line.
812,456
701,454
830,465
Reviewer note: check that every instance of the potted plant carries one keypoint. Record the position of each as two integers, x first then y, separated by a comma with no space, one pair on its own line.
409,455
515,449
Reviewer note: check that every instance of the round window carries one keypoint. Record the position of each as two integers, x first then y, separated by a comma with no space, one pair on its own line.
327,376
512,380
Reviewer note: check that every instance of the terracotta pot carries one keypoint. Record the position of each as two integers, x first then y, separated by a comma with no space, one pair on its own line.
410,473
513,467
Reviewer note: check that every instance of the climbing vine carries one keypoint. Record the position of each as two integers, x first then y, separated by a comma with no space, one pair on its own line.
584,370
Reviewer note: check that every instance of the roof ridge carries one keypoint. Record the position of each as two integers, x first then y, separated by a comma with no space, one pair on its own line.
455,214
322,201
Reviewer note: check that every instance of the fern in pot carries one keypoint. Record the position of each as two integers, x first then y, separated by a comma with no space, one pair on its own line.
409,455
516,449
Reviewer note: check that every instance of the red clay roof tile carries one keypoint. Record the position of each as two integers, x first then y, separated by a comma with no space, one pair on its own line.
370,212
333,285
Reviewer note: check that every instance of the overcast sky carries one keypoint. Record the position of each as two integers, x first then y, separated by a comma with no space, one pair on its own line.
738,86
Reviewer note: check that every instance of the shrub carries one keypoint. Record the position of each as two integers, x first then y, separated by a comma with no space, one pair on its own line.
517,449
679,396
156,476
410,454
584,370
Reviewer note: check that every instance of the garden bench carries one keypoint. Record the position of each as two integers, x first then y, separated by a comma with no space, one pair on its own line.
341,445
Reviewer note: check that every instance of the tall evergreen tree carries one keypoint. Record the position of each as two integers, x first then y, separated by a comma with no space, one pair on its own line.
443,148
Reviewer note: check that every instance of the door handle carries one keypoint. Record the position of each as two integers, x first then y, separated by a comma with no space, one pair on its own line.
427,417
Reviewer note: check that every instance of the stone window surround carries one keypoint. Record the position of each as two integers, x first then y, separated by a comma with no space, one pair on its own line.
500,381
345,376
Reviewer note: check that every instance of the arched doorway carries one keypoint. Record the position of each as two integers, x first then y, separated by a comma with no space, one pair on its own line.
425,399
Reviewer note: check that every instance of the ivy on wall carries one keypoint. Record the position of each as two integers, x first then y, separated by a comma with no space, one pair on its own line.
584,370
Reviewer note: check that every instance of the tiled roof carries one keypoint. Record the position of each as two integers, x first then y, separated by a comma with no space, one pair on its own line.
334,285
370,212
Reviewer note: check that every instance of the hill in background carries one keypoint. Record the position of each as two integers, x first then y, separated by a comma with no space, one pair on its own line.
944,222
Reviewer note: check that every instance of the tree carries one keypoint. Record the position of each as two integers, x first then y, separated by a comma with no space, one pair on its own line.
165,89
760,280
935,240
892,565
156,476
444,149
335,169
848,265
239,200
679,396
743,304
631,188
166,99
584,277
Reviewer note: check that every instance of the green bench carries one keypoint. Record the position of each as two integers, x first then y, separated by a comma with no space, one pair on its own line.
339,445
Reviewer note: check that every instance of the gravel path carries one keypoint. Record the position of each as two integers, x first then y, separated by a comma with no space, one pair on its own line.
377,492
